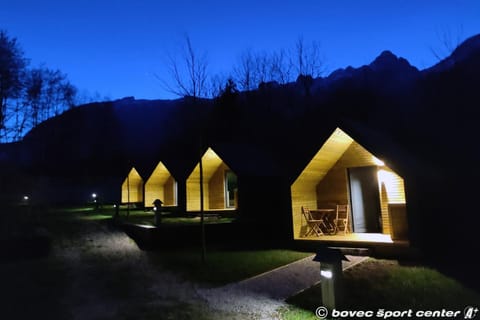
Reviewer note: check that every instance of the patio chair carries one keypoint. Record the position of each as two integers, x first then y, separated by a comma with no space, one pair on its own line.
313,225
341,219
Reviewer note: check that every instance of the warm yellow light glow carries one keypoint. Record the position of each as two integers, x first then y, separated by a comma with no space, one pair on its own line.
326,274
393,184
378,162
385,177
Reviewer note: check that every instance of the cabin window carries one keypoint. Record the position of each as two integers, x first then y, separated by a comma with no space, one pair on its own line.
230,188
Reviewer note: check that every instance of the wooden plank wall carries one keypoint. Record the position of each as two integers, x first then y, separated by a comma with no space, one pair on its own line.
303,190
135,182
212,165
333,189
358,156
193,193
154,191
384,209
216,187
170,192
302,195
156,184
325,180
392,191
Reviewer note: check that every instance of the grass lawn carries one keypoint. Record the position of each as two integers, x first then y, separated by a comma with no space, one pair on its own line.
100,266
222,266
95,269
140,216
384,284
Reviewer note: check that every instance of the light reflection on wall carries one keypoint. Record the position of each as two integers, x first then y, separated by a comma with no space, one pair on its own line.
393,184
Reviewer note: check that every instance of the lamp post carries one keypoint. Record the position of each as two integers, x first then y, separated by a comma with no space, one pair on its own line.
128,195
331,275
95,200
202,209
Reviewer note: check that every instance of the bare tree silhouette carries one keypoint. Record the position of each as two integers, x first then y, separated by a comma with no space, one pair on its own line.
188,72
448,41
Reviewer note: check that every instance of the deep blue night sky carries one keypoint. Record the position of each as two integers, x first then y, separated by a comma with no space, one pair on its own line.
114,47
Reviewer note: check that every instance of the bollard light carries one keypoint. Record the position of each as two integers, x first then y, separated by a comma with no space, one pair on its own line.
157,209
326,274
117,208
331,275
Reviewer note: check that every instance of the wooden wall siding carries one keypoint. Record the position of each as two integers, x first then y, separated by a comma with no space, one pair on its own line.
357,156
211,163
170,192
303,190
155,187
392,191
384,209
216,188
152,192
135,181
325,179
394,185
193,194
333,189
325,158
302,195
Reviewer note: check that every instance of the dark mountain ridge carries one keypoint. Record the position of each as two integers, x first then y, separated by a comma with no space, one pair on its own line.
104,140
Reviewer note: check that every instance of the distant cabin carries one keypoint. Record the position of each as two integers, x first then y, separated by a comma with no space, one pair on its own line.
132,188
161,185
219,185
344,172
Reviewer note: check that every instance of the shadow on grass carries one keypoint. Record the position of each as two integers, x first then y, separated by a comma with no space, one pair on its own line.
33,288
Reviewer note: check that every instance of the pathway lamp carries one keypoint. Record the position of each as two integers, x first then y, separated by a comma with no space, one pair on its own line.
331,275
157,210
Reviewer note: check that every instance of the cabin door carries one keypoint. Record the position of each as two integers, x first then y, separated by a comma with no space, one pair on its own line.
364,199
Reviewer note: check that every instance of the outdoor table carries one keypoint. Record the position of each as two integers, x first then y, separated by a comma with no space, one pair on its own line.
328,217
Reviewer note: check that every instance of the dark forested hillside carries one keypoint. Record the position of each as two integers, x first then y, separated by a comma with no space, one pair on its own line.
432,114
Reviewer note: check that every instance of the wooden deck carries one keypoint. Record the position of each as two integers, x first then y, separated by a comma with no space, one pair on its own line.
357,238
374,244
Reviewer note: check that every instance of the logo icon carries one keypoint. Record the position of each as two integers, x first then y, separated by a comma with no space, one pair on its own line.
470,312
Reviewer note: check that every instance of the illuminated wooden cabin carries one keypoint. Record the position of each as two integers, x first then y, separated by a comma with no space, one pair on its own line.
344,172
219,185
161,185
132,188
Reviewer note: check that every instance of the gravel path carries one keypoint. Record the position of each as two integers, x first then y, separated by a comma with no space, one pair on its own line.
108,274
97,258
261,296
